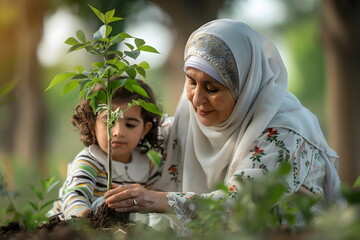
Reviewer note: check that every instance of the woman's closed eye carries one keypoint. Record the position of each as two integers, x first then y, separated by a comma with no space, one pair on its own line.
191,82
212,89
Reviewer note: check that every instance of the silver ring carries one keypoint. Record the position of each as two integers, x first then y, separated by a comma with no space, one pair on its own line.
134,201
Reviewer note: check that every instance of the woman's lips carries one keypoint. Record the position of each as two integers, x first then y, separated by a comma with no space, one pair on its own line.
203,113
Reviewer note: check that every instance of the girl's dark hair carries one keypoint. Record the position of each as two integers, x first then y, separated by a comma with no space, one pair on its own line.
84,118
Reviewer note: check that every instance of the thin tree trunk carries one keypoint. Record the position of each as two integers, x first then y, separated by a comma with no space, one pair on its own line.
26,125
341,29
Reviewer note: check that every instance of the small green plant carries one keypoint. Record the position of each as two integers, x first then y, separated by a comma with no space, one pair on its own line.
255,208
37,212
106,73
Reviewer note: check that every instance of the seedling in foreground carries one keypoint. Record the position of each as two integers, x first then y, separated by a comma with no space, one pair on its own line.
99,83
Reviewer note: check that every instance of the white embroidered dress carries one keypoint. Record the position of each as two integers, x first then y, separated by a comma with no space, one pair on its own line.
199,157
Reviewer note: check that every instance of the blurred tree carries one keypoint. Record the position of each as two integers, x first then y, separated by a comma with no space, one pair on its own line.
338,36
341,38
22,126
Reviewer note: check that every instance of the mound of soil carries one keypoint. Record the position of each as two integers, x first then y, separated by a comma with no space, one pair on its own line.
106,223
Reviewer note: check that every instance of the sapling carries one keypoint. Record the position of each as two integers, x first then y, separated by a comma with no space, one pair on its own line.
37,214
113,71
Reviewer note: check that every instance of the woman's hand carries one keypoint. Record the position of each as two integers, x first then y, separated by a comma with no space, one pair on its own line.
135,198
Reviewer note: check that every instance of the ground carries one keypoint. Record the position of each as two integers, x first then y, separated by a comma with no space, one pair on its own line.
105,224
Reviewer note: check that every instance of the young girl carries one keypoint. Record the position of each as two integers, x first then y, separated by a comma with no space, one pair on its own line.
86,178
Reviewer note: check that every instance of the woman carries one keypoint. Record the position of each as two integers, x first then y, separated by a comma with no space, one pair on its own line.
234,116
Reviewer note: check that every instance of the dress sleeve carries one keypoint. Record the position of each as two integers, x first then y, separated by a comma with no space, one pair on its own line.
78,189
273,147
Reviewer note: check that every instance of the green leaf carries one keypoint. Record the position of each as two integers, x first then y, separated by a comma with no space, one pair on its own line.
357,182
101,108
98,13
81,36
141,71
76,47
59,78
34,205
124,35
140,91
115,84
114,19
117,53
102,96
131,73
105,31
108,16
131,47
147,48
8,86
284,169
44,184
80,77
154,157
108,31
48,203
87,91
139,42
38,193
144,65
97,35
79,69
98,64
150,107
94,102
115,40
71,41
132,54
69,87
121,66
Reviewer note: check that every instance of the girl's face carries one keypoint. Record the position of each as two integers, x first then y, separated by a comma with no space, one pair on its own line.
126,134
212,101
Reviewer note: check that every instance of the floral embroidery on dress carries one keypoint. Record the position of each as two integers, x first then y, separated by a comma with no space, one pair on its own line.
257,154
272,135
175,142
241,174
233,191
264,168
173,170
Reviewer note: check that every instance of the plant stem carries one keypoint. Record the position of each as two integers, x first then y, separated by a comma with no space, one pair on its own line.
109,155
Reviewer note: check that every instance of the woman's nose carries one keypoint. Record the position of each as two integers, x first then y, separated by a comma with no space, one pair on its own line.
118,130
199,97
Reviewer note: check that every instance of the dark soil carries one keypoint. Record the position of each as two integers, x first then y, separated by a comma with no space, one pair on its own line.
105,224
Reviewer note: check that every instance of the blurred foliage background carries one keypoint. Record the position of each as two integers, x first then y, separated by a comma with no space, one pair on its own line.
36,137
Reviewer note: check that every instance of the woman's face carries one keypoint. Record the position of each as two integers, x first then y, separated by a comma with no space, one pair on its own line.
212,101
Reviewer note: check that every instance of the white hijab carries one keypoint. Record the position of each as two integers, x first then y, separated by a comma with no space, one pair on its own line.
253,70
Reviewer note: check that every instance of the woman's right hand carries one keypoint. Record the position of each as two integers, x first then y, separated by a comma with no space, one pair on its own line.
135,198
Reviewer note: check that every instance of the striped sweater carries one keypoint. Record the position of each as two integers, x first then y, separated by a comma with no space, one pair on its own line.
87,179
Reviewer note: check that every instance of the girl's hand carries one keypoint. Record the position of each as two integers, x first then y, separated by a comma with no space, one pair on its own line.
135,198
